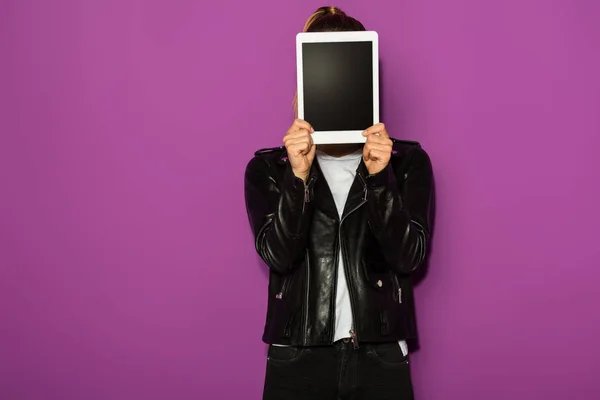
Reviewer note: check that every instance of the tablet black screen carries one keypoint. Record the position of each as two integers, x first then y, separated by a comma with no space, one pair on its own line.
338,85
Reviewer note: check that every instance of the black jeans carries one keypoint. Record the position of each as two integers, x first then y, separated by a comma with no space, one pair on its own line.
338,372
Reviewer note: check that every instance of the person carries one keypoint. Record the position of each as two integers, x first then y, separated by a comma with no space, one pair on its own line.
341,228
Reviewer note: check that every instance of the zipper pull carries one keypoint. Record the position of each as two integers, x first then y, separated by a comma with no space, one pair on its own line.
307,189
364,183
354,338
400,295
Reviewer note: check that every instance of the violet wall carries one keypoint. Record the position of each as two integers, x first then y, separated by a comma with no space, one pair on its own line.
127,269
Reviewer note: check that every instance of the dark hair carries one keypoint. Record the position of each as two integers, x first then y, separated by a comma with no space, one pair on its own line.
331,19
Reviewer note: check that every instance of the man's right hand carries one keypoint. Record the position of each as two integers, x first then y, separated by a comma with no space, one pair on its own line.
300,148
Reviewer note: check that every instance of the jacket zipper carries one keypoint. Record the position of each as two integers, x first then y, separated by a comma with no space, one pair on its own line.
397,287
306,297
307,262
352,332
307,190
284,287
306,193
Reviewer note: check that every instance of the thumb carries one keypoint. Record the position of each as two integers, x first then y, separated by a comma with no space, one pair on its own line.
312,151
366,155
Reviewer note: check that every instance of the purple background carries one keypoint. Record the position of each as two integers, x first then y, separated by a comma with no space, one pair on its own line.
127,269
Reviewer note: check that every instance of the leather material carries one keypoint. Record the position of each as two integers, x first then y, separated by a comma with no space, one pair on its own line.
383,233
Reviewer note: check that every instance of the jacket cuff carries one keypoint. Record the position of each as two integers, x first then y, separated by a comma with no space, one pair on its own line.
296,198
380,179
294,184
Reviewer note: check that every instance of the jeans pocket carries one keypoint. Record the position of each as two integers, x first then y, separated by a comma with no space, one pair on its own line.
285,355
388,354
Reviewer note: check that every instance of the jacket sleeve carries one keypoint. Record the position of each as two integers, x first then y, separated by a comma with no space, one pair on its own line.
279,213
399,211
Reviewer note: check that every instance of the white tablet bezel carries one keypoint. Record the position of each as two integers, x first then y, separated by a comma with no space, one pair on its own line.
337,137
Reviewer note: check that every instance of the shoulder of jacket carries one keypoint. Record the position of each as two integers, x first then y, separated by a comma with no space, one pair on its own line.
270,151
277,155
402,147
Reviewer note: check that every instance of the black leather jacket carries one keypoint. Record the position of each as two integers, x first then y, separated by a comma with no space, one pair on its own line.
383,234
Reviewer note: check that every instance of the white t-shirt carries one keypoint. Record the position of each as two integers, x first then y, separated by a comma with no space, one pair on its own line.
339,172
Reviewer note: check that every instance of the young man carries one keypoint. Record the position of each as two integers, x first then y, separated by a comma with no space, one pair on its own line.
341,228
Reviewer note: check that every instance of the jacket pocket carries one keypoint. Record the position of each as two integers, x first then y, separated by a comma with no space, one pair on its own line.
379,281
283,309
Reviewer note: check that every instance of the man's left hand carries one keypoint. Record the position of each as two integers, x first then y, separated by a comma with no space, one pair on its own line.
378,149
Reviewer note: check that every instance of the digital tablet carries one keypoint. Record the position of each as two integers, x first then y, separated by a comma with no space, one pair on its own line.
338,84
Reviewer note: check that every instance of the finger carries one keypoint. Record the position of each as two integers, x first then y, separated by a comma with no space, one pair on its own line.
380,147
297,134
384,133
291,146
377,155
299,148
301,124
383,147
299,142
311,152
379,140
376,129
304,139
